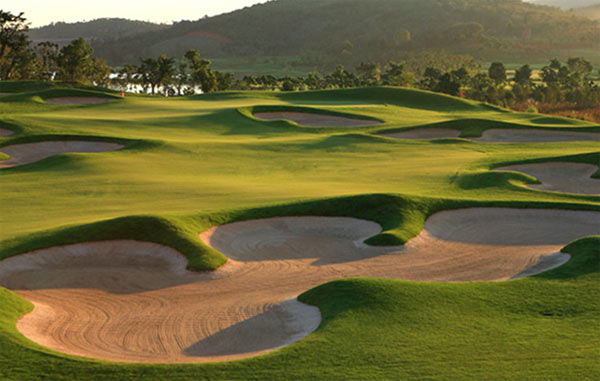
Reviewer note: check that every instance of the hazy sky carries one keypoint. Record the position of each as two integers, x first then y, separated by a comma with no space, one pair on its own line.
43,12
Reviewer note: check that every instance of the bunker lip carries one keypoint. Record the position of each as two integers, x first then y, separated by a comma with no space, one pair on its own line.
560,176
134,301
21,154
315,120
76,100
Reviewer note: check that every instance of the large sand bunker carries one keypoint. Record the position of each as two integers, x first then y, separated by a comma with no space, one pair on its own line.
315,120
424,134
560,177
76,100
21,154
527,135
132,301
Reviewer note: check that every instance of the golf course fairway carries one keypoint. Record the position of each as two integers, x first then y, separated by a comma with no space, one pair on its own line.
189,238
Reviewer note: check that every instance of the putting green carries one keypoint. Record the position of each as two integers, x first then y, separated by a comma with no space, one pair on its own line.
193,163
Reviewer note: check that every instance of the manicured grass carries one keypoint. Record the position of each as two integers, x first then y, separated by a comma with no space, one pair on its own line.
192,163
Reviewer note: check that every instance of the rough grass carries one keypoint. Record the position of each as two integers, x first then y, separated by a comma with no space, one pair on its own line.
191,163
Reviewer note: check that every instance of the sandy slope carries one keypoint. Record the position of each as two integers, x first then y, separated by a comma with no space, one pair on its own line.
131,301
424,133
497,135
21,154
315,120
76,100
5,132
561,177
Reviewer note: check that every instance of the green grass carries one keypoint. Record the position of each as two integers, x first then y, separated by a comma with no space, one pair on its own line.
192,163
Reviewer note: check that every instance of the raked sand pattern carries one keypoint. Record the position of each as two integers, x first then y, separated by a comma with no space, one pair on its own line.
134,301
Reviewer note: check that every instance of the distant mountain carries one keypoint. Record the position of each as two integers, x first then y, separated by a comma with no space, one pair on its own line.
567,4
99,30
352,30
592,12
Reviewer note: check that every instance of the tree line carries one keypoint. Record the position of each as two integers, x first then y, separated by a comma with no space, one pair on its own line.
559,86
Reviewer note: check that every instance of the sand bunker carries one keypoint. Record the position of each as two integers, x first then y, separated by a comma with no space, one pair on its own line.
315,120
132,301
560,177
5,132
21,154
498,135
535,136
76,100
424,133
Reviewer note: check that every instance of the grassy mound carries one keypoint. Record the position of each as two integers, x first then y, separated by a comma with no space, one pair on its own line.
168,232
411,98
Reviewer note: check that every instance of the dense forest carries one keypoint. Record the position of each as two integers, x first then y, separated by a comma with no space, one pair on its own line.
99,29
349,31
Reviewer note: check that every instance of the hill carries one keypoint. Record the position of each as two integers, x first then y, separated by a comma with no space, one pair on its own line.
566,4
349,31
99,29
592,12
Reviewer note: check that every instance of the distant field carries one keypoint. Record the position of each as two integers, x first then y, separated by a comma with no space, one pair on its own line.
196,162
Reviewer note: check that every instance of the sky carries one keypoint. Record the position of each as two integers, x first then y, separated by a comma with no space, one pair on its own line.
43,12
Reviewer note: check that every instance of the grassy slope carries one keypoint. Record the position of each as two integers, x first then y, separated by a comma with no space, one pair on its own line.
196,162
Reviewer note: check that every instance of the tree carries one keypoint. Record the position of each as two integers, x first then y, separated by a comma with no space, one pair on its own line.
182,77
99,72
47,60
479,85
396,75
202,73
13,42
431,76
549,74
461,76
369,73
126,76
74,60
157,72
497,72
447,84
523,75
224,80
341,78
314,81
